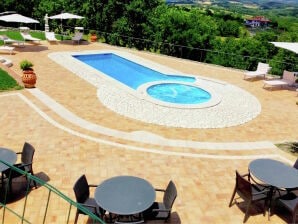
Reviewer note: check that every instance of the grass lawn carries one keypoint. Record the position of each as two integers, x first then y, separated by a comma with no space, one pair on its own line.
14,34
7,82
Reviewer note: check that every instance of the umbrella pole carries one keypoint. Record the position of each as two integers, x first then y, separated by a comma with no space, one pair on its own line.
61,29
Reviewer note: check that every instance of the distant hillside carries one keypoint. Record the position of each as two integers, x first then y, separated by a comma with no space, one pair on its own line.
268,2
261,4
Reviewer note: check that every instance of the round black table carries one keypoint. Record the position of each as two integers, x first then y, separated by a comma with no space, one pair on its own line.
125,195
274,173
8,156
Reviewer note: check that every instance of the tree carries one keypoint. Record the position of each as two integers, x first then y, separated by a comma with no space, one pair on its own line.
134,21
284,60
229,28
238,53
180,32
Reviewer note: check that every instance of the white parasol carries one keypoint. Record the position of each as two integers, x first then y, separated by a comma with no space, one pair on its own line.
17,18
287,45
65,15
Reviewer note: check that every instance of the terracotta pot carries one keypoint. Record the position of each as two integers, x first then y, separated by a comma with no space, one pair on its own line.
93,38
29,78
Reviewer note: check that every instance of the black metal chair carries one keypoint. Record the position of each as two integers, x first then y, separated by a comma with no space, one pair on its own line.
290,202
25,165
129,222
296,164
82,193
248,192
162,210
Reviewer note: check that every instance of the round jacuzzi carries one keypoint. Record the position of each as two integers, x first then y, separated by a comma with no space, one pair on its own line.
179,94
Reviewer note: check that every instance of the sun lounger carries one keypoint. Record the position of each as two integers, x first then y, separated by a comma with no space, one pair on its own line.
27,36
6,61
50,36
288,79
8,40
261,71
2,59
77,37
7,48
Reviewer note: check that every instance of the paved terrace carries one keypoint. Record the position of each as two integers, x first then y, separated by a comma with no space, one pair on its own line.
202,162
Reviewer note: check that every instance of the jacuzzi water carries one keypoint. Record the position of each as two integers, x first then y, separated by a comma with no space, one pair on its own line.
178,93
174,90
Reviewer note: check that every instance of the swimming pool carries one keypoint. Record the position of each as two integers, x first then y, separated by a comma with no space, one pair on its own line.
173,89
229,105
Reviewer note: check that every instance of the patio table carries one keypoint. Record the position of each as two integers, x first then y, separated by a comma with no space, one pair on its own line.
8,156
125,195
274,173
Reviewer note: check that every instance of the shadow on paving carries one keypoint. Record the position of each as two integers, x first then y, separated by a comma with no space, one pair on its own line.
19,188
174,219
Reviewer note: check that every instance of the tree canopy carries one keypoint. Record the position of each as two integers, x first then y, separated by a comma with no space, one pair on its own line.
212,35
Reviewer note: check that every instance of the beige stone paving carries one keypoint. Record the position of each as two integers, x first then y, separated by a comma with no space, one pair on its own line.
277,106
204,184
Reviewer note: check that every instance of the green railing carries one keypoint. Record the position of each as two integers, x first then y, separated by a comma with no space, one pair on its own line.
46,204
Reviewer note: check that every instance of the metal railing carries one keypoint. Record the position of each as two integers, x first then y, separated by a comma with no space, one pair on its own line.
45,204
236,60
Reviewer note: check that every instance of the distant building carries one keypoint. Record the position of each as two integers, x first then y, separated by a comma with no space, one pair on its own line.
257,21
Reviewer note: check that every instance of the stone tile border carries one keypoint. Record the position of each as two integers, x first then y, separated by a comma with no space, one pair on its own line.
139,136
217,146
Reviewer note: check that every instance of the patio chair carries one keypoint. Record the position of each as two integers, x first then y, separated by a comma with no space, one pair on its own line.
288,79
77,37
261,71
7,40
25,165
50,36
129,222
7,48
249,192
82,193
162,210
290,202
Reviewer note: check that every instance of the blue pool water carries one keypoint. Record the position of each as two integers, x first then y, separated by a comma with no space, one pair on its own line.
134,75
125,71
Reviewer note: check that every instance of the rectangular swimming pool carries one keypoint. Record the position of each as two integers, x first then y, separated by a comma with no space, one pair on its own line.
127,72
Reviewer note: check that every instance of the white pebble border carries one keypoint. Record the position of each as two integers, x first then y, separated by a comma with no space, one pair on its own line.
236,106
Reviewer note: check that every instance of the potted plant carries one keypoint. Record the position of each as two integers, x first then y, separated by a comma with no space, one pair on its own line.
29,76
93,36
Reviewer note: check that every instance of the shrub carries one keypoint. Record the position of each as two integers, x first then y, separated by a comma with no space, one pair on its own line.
26,65
93,32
